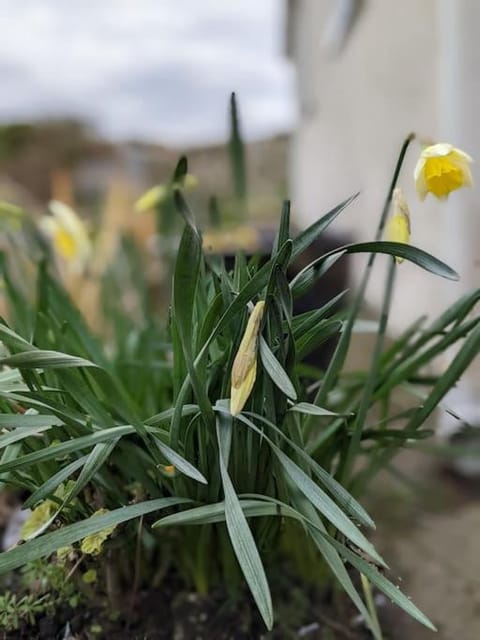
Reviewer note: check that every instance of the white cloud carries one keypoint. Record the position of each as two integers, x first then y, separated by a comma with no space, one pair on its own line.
149,68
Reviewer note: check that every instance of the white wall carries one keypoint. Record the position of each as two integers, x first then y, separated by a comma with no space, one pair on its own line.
409,65
356,108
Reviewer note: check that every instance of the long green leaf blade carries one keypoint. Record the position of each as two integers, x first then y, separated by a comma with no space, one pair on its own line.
242,539
46,544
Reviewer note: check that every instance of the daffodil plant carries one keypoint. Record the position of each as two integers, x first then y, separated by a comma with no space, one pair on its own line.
201,442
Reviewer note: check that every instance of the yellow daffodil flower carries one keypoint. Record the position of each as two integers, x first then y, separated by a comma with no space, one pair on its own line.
156,195
68,234
398,226
92,544
244,370
441,169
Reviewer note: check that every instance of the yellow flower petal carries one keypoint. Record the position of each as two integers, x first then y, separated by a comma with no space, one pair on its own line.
244,370
442,169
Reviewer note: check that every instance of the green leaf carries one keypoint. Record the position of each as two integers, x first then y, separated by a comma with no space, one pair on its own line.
306,278
399,249
311,409
183,209
180,170
326,506
407,252
22,420
242,539
318,534
468,352
390,590
185,283
237,156
95,460
283,233
37,359
46,544
343,497
49,486
75,444
275,370
12,340
166,416
213,513
307,237
180,463
316,336
20,434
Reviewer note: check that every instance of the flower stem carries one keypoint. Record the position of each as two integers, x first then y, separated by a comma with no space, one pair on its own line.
341,350
372,610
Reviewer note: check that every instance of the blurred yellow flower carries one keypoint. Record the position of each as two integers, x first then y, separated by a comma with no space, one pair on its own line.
244,370
169,469
93,543
158,194
37,519
441,169
398,226
152,198
68,234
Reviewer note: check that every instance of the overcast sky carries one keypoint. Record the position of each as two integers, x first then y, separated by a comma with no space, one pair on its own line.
155,69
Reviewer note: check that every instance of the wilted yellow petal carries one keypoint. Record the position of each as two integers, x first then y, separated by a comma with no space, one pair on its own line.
244,370
398,226
65,553
93,543
37,519
442,169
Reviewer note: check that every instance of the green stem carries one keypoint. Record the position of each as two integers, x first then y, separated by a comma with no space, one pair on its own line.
341,350
372,610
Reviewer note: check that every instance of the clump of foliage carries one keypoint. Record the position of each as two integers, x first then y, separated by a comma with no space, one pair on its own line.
43,588
133,443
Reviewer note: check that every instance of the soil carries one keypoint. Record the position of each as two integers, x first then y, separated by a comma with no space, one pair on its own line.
159,615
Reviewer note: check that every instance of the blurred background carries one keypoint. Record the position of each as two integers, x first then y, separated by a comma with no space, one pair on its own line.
100,99
101,93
